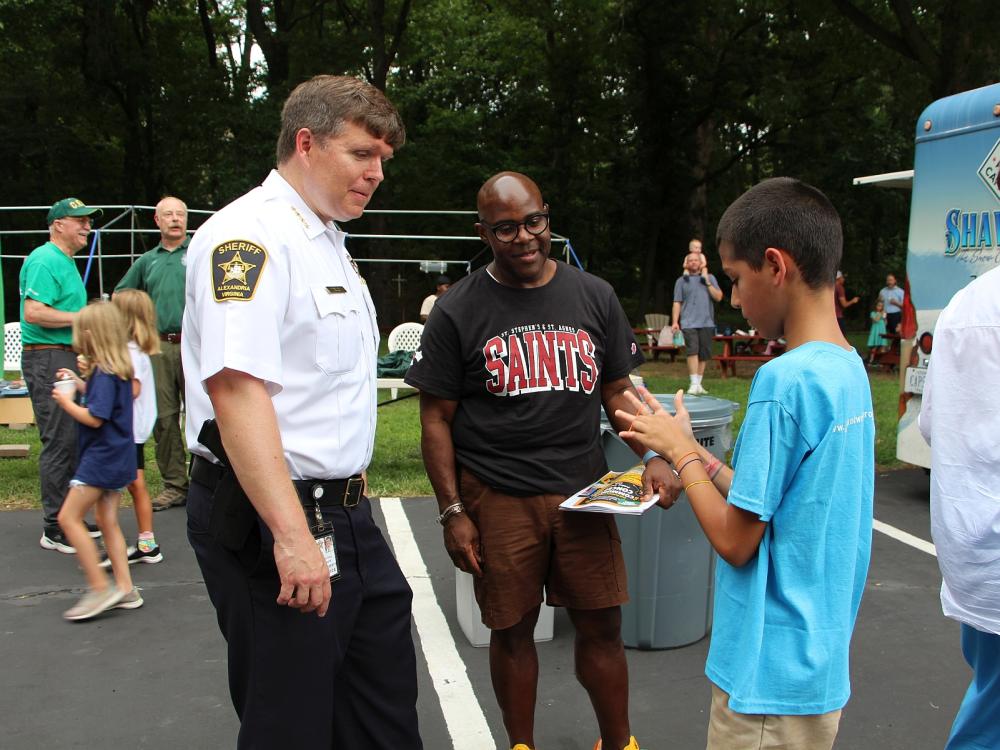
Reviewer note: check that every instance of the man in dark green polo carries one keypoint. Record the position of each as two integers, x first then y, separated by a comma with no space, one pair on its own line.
51,295
160,273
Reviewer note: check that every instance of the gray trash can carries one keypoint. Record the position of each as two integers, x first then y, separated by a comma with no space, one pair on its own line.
669,561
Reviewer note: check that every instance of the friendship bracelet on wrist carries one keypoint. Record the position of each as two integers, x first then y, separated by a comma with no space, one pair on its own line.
697,481
683,465
714,468
689,453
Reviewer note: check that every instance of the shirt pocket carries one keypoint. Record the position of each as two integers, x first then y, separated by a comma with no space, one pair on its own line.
338,331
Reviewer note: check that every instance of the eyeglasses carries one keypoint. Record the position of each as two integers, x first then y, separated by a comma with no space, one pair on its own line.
506,231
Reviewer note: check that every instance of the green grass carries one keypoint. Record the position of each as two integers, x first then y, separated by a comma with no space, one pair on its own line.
397,468
667,378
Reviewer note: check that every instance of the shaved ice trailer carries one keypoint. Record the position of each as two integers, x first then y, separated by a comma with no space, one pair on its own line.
954,233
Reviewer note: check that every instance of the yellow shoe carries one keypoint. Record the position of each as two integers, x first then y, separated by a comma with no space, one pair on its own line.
632,745
520,746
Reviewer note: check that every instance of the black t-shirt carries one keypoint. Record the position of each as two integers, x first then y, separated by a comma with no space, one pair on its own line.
526,367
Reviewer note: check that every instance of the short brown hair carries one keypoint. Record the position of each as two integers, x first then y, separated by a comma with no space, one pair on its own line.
790,215
323,104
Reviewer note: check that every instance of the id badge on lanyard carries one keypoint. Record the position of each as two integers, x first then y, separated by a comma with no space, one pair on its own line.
323,534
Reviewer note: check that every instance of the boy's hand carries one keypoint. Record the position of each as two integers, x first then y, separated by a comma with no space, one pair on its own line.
681,414
669,436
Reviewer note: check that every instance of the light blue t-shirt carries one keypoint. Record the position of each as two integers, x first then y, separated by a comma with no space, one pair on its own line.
804,462
697,307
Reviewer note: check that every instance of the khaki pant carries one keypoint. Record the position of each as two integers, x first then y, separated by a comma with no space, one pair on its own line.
169,377
728,730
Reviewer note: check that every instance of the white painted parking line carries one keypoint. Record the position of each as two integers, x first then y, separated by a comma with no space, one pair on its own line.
901,536
462,712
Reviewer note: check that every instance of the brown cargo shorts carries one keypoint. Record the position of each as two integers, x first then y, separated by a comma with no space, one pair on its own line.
528,544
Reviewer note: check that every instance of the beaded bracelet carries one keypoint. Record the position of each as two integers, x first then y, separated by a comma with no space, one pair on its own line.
697,481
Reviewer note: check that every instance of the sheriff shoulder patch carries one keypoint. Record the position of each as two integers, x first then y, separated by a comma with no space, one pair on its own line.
236,269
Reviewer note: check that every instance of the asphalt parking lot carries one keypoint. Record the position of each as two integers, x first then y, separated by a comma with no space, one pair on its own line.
155,677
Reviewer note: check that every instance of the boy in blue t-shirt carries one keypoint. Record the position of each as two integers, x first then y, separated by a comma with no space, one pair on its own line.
792,520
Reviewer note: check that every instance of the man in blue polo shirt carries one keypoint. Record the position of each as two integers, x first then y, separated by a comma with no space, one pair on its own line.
51,295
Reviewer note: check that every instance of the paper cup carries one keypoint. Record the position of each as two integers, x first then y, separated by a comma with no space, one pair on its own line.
65,386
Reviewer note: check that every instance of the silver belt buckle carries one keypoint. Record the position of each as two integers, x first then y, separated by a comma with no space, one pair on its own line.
352,495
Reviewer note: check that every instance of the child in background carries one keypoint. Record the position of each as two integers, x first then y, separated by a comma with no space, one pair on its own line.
140,319
792,520
876,343
106,454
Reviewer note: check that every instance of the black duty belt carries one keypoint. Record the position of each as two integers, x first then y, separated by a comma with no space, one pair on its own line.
346,492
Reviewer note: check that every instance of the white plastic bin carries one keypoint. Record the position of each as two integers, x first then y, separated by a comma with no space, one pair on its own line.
669,562
471,621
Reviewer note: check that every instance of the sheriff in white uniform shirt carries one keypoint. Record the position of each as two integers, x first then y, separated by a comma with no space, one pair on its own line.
289,308
279,347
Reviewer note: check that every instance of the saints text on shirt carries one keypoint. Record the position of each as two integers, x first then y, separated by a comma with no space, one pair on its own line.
865,415
540,357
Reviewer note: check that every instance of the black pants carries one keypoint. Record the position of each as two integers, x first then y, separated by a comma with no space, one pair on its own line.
342,682
892,320
56,428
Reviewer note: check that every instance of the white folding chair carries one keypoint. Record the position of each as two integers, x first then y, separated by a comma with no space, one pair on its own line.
404,337
12,346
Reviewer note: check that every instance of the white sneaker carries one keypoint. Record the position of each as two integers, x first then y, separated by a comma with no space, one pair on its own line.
131,600
93,603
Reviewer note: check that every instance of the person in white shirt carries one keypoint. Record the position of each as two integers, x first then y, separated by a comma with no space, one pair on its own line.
960,419
443,282
892,297
279,344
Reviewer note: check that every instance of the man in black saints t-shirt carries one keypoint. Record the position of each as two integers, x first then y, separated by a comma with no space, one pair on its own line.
513,368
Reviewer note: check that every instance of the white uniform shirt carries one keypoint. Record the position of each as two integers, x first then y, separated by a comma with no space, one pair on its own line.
960,418
144,405
300,318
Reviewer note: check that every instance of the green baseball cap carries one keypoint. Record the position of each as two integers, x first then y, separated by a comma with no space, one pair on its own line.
71,207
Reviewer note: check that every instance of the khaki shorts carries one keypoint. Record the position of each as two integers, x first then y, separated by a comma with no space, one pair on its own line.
529,543
728,730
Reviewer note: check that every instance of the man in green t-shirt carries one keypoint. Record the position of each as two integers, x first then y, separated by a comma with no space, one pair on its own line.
160,273
51,294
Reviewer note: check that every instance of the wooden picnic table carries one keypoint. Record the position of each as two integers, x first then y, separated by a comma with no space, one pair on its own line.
653,344
744,348
889,356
